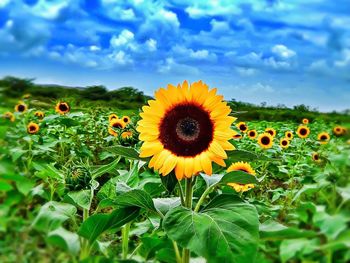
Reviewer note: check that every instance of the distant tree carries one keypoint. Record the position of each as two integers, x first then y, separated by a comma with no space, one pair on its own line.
95,93
16,87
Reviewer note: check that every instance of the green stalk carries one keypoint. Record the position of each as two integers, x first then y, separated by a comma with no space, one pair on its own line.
204,195
85,249
188,203
125,240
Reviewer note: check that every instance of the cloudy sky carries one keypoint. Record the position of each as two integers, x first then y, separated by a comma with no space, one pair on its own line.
274,51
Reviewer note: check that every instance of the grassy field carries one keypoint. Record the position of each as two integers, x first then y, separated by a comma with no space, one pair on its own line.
76,190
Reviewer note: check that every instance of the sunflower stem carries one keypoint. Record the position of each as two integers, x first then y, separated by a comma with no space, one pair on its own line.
181,194
188,203
204,195
125,240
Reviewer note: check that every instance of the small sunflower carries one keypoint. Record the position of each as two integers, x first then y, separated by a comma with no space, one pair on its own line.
303,131
252,134
289,135
244,167
39,114
26,96
112,117
284,143
242,126
32,128
271,131
316,157
21,107
112,132
338,130
9,116
305,121
237,136
117,124
323,137
126,119
185,129
62,107
127,135
265,140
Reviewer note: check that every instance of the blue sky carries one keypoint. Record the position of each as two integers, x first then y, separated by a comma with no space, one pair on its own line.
288,52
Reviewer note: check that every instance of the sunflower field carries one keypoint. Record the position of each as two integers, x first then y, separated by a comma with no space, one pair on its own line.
184,179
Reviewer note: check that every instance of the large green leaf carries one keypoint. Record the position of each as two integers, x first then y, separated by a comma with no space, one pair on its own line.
226,230
52,215
169,181
81,198
137,198
101,170
123,151
64,239
241,155
96,224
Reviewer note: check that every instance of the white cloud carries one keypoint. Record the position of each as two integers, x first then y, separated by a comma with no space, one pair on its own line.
94,48
183,53
127,14
344,61
243,71
125,37
283,52
49,9
169,66
4,3
200,9
151,44
120,58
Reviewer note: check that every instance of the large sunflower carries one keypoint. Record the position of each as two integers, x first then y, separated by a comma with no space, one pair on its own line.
32,128
265,140
9,116
252,134
289,135
112,117
62,107
185,128
244,167
305,121
303,131
242,126
21,107
271,131
323,137
284,143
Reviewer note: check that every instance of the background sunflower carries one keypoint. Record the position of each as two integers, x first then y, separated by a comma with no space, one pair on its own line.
265,140
303,131
244,167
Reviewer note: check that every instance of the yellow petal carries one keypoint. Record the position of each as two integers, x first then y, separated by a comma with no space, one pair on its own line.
216,149
180,168
189,167
150,148
206,163
169,164
160,161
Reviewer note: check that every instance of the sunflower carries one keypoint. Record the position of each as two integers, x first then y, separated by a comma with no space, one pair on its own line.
117,124
237,136
289,135
32,128
9,116
126,134
126,119
244,167
112,117
21,107
271,131
303,131
316,157
112,132
26,96
265,140
62,108
39,114
252,134
305,121
185,128
338,130
323,137
284,143
242,126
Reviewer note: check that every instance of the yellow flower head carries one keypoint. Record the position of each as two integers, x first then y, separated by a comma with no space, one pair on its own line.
271,131
126,134
39,114
32,128
316,157
62,108
112,117
252,134
117,124
265,140
185,129
284,143
289,135
112,132
9,116
237,136
242,126
305,121
21,107
323,137
338,130
126,119
244,167
303,131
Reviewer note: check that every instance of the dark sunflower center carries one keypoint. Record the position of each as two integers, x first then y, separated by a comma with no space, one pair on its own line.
63,107
265,140
117,125
284,143
316,157
252,134
303,131
271,132
21,107
323,137
32,128
186,130
125,119
289,135
242,127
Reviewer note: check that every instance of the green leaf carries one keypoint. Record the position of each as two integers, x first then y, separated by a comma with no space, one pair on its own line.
273,230
240,155
81,198
291,247
96,224
64,239
137,198
226,230
165,204
238,177
52,215
169,181
105,168
4,186
123,151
